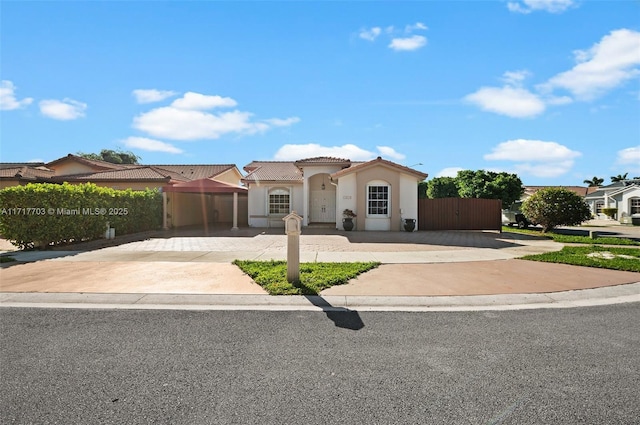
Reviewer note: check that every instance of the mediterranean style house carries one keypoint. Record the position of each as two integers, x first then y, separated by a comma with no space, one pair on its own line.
379,192
192,194
623,195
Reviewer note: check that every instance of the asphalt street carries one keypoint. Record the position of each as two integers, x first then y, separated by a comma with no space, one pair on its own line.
569,366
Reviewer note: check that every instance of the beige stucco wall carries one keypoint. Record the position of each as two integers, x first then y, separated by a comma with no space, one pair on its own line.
9,183
70,168
231,176
258,201
352,194
388,175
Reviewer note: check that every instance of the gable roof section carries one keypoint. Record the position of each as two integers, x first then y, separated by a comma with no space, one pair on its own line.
196,172
273,171
380,162
613,189
25,172
139,173
97,165
323,160
578,190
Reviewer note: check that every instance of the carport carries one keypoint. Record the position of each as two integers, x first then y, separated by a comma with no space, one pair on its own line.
204,202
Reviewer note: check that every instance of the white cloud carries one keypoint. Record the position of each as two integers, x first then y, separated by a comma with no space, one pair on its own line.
515,78
349,151
409,43
279,122
184,120
198,101
528,6
631,157
389,152
606,65
510,101
150,145
415,27
64,110
532,150
535,157
370,34
8,99
152,95
552,169
449,172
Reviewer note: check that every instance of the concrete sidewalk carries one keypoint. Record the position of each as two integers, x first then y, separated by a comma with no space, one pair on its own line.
415,266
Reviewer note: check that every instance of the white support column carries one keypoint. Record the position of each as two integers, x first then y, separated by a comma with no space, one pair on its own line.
235,211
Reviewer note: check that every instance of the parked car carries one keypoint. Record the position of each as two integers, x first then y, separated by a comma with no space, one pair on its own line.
514,216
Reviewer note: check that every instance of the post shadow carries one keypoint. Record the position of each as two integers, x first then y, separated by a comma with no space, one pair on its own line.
341,317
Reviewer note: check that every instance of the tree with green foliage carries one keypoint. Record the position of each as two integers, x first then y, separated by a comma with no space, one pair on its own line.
442,187
594,182
422,190
114,157
490,185
619,177
556,206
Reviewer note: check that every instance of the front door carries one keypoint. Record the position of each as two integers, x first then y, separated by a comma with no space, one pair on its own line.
323,206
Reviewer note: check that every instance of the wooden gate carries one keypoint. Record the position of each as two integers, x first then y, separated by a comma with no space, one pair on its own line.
459,214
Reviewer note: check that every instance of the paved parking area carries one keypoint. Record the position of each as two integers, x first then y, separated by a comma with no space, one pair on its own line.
413,264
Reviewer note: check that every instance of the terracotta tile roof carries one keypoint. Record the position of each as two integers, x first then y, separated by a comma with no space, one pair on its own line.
272,171
20,164
139,173
196,172
379,161
100,165
323,160
25,173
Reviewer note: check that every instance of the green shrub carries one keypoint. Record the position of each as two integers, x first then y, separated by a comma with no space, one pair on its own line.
44,214
553,206
609,212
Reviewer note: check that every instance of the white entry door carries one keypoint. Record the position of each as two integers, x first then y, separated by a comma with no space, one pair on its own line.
323,206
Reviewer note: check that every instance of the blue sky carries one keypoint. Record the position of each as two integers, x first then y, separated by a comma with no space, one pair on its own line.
547,89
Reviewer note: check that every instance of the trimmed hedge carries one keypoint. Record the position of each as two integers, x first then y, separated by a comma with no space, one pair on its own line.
41,214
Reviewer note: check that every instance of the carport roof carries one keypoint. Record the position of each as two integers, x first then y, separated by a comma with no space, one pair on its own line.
205,186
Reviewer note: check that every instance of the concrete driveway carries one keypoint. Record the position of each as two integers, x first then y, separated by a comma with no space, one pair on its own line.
413,264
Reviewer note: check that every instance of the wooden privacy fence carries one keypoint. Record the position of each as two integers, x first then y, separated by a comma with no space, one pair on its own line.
459,214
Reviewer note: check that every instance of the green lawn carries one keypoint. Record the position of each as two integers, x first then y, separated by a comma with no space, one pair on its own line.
314,277
626,259
557,237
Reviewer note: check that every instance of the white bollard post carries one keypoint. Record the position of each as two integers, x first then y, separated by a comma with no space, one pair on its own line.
292,227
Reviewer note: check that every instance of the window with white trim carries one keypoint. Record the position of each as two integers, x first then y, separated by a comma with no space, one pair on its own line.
378,200
634,205
279,201
599,207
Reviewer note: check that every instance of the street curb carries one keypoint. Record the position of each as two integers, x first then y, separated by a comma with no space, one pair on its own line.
578,298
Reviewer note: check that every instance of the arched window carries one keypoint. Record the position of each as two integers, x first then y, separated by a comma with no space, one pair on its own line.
279,201
378,199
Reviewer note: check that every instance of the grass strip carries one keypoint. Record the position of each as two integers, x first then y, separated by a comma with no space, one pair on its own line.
314,277
624,259
6,259
557,237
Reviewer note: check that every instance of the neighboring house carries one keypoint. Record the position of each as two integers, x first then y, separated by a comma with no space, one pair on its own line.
16,174
381,193
623,195
578,190
192,194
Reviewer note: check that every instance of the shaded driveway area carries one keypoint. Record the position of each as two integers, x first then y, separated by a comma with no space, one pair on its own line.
413,264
